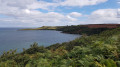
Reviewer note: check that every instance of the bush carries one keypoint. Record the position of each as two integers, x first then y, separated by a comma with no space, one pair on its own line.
34,49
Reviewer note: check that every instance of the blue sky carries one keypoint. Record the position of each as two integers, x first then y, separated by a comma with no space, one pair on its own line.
110,4
36,13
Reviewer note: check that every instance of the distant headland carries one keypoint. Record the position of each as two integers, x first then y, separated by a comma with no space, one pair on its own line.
79,29
89,26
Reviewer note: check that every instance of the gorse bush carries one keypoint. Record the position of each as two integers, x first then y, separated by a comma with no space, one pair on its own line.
99,50
35,48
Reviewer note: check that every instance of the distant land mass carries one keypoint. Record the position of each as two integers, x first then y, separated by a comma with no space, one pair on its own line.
89,29
42,28
89,26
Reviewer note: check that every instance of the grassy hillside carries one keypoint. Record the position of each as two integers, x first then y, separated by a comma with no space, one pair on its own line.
42,28
99,50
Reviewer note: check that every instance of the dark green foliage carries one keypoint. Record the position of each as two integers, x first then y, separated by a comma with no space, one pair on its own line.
54,46
110,63
21,60
118,63
7,55
34,49
81,29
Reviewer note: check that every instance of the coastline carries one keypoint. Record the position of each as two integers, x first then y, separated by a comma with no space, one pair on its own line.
101,48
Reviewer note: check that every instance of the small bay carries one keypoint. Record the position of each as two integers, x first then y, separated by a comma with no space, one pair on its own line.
12,38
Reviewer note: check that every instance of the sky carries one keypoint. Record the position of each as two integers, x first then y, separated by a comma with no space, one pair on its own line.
37,13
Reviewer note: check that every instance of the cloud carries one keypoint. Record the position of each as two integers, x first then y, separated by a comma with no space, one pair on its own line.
118,1
16,3
25,13
81,3
42,4
75,14
104,16
103,13
8,7
36,18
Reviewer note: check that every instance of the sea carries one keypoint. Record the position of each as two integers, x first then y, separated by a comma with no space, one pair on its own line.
14,38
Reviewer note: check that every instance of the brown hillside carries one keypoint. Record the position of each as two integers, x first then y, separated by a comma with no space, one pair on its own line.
103,25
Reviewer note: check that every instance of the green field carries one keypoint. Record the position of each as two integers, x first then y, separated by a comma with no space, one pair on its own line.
42,28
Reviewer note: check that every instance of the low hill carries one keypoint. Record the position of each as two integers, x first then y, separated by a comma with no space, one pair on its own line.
42,28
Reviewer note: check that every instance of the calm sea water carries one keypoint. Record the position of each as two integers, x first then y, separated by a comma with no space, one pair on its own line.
11,38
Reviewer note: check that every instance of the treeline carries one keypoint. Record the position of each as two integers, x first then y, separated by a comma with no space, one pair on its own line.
82,29
99,50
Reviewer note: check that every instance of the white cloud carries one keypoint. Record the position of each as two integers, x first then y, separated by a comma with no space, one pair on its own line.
71,18
118,1
81,3
101,13
35,4
75,14
104,16
42,5
17,3
37,18
23,12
